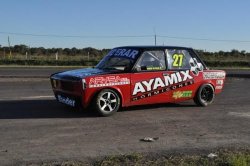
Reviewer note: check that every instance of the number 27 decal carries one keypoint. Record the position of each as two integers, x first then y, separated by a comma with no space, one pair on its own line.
178,59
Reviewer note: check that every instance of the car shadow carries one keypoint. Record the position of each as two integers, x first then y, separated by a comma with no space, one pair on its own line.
161,105
32,109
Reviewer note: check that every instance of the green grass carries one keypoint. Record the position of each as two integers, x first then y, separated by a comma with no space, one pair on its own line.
83,60
39,66
232,67
48,62
224,158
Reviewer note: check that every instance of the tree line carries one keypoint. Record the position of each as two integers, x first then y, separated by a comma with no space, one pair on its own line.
98,53
227,55
41,51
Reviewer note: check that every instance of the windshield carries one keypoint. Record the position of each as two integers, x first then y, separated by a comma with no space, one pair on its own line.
119,59
115,63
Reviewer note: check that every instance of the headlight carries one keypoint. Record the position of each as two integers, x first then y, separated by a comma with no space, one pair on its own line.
84,84
54,83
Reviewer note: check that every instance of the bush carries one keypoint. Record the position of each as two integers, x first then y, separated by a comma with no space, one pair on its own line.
227,64
48,62
94,62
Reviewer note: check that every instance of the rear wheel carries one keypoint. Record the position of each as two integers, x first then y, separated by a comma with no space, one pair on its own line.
107,102
205,95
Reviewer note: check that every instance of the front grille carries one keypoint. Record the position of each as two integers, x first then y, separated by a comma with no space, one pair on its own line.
67,86
64,85
65,82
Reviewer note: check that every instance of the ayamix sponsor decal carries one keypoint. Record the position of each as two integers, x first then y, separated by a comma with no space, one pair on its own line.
159,85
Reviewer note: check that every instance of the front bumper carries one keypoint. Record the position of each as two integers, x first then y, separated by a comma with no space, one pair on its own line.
68,92
68,99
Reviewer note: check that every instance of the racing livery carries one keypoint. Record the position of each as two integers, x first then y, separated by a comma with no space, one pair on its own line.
137,75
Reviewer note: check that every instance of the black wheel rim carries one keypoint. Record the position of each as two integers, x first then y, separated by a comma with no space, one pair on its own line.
207,94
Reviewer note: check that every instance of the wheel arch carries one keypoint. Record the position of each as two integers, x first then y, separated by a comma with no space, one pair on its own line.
201,84
206,82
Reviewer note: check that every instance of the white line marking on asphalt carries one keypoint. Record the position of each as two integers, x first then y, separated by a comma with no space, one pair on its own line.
240,114
36,97
28,98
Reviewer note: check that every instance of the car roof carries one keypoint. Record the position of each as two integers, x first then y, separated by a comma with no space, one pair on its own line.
154,47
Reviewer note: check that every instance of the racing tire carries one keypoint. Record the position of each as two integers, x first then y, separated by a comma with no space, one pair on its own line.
205,95
107,102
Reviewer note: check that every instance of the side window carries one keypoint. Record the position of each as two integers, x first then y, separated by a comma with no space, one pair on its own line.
179,59
151,61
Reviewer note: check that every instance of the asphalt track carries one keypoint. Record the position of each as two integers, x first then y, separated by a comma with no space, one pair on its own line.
35,128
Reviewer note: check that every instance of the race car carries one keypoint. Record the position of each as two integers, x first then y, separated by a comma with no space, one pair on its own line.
138,75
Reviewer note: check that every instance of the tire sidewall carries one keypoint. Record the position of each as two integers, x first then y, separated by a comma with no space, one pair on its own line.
198,96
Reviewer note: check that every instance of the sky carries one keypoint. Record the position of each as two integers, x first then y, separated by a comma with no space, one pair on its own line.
220,24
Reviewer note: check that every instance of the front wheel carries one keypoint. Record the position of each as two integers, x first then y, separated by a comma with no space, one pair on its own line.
205,95
107,102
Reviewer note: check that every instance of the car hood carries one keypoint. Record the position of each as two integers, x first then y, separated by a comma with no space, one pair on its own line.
82,73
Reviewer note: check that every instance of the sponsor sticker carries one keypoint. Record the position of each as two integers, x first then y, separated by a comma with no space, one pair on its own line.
123,52
219,87
213,75
160,85
154,68
196,67
66,100
108,81
182,94
219,82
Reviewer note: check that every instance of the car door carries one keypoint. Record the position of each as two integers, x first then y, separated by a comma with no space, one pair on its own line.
185,71
147,79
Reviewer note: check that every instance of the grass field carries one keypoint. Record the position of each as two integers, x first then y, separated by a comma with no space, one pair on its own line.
85,60
222,158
